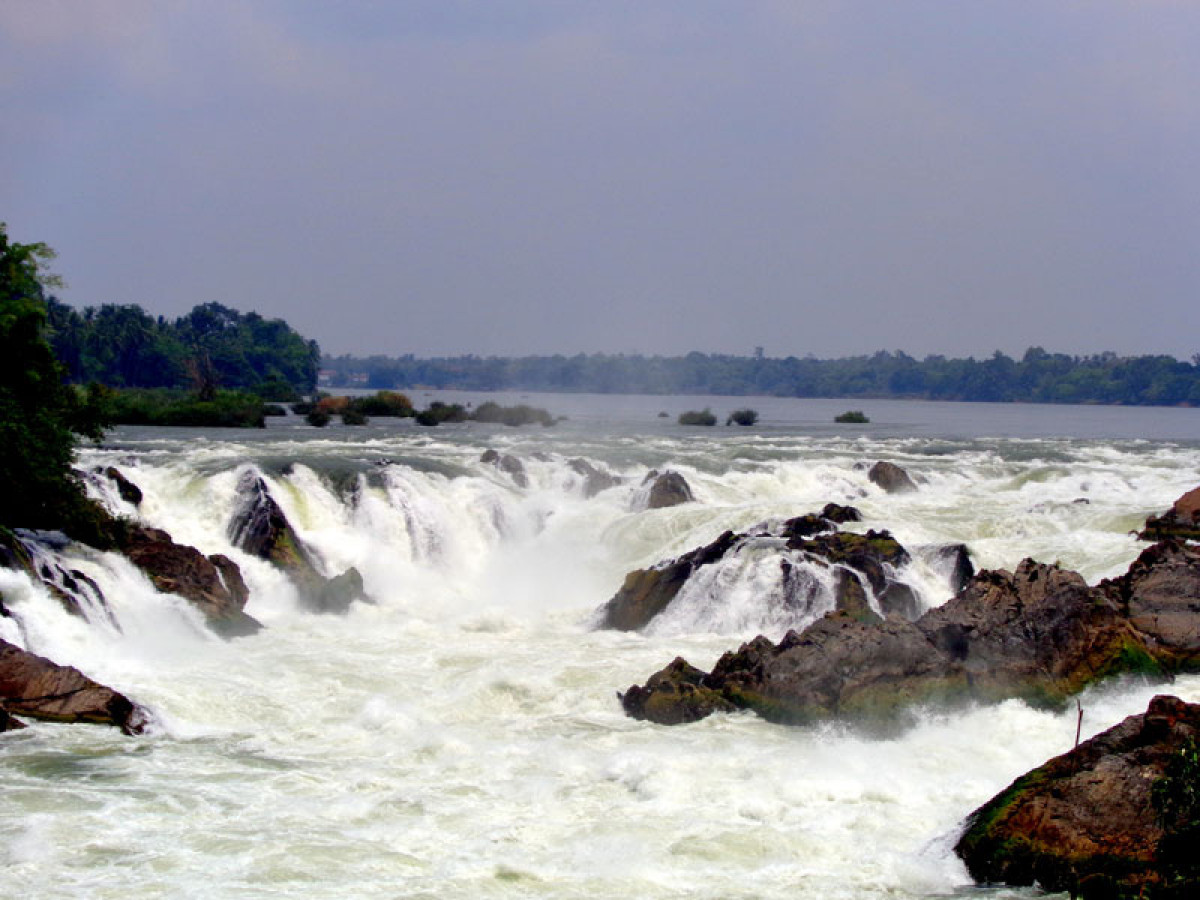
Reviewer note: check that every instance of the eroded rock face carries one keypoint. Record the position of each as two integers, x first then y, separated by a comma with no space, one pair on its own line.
891,478
509,465
1181,521
1087,821
854,558
213,584
35,687
595,480
1039,634
260,527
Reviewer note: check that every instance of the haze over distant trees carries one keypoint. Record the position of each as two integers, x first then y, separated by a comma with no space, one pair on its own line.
1038,376
211,347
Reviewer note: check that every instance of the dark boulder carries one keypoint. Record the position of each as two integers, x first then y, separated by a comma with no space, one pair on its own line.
1118,816
647,592
35,687
667,489
1181,521
1039,634
7,722
891,478
260,528
213,584
595,479
128,491
509,465
955,561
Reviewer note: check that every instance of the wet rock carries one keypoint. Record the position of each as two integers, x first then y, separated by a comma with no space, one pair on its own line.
37,688
260,528
674,696
1039,634
7,722
814,523
666,490
955,560
647,592
213,584
128,491
1115,817
1181,521
595,480
861,562
1161,595
509,465
891,478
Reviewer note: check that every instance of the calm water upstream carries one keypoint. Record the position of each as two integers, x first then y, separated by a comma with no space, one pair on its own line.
460,737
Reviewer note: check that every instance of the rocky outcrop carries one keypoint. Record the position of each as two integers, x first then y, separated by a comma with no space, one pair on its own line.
1118,816
666,489
509,465
260,528
891,478
595,480
870,558
1039,634
213,584
37,688
73,589
1181,521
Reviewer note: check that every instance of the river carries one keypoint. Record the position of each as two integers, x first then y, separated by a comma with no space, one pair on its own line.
460,735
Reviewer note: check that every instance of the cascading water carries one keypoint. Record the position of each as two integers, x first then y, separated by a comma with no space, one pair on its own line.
459,735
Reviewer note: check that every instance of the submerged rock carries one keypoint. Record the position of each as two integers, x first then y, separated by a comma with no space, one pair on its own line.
667,489
1039,634
1118,816
35,687
213,584
1181,521
509,465
260,527
595,480
891,478
128,491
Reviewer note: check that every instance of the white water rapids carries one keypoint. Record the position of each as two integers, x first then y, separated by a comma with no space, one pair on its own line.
460,737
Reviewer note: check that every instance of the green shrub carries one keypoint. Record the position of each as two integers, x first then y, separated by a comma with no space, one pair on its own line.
353,416
274,409
701,417
384,403
852,417
742,417
168,406
318,418
512,415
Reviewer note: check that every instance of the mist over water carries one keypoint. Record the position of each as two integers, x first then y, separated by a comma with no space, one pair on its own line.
460,736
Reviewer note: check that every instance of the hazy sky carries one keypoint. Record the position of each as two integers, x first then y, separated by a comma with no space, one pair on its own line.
505,178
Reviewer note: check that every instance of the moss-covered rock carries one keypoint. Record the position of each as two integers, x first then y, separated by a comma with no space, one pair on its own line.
1093,821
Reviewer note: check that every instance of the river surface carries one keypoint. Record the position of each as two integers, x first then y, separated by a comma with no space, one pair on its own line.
460,736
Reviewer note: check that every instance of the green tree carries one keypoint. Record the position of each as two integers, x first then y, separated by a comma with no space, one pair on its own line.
41,416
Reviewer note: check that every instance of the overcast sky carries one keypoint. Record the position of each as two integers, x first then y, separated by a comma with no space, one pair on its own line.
506,178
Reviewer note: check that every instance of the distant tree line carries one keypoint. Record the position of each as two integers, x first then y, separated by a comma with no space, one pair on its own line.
1037,377
211,347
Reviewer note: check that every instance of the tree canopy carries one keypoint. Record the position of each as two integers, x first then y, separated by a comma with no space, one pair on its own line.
41,416
212,346
1038,377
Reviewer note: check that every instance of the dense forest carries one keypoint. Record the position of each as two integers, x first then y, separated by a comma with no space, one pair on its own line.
211,347
1038,377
